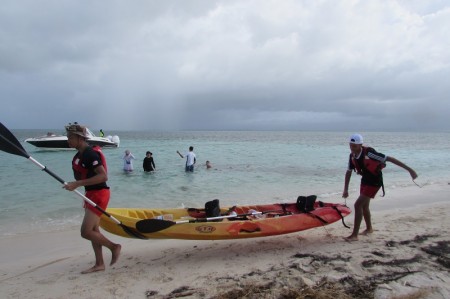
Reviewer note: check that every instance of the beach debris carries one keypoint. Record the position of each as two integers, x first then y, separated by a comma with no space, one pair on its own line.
149,294
441,250
417,239
392,263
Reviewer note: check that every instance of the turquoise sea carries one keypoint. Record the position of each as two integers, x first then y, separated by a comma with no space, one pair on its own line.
248,167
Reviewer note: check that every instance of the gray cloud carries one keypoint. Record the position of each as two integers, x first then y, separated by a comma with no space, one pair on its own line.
231,65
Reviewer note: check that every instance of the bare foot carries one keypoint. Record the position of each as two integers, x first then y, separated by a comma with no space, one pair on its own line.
93,269
367,232
115,254
351,238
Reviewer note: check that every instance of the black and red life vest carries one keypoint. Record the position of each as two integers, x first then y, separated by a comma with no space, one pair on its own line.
372,166
370,169
81,172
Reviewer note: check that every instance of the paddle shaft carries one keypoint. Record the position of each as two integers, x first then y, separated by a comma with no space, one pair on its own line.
156,225
10,144
223,217
128,230
44,168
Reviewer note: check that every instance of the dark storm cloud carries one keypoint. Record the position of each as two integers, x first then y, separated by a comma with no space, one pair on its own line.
225,65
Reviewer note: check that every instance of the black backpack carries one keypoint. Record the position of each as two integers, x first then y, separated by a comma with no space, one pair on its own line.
212,208
306,203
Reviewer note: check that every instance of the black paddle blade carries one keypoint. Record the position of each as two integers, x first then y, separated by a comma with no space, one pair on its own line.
133,232
10,144
153,225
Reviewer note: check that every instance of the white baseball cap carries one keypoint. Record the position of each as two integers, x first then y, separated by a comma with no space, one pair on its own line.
356,139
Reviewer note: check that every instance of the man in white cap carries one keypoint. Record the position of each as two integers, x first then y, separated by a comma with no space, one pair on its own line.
368,163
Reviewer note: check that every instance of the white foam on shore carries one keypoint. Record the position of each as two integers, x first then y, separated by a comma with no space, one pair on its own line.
410,197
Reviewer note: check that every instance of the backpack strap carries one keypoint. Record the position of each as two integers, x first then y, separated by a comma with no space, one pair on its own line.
283,206
342,217
382,185
318,217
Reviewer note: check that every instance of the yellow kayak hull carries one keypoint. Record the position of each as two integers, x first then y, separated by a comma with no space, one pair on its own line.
276,219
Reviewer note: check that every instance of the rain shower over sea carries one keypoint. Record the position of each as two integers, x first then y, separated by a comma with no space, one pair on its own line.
248,168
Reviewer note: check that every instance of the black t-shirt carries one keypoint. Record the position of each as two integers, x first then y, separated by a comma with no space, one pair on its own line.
148,164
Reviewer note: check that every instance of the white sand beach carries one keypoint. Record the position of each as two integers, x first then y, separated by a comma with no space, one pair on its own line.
408,256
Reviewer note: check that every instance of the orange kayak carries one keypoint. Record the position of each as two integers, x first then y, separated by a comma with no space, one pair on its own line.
246,221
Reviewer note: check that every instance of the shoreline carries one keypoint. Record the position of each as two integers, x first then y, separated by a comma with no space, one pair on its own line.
407,254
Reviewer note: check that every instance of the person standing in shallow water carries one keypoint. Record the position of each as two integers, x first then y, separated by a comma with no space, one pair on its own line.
128,161
190,159
367,163
89,169
148,164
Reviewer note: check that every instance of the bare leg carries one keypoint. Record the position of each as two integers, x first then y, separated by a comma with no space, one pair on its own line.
359,211
115,253
367,219
99,265
90,231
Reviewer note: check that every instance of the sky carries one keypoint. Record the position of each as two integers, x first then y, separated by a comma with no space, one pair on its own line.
226,65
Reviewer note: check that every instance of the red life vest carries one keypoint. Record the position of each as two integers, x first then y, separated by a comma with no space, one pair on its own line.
372,166
81,172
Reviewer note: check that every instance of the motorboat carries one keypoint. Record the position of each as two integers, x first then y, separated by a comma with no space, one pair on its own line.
54,141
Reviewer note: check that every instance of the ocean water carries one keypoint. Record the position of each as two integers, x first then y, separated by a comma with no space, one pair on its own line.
248,168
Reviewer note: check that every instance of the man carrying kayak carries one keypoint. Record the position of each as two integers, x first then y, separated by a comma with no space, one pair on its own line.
368,163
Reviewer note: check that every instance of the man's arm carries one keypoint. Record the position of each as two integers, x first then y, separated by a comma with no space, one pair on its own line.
100,177
348,175
403,165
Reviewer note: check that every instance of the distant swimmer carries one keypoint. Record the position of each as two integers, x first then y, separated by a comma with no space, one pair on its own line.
190,159
128,161
148,163
208,165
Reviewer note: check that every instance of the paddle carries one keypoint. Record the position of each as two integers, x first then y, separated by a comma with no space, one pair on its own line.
10,144
155,225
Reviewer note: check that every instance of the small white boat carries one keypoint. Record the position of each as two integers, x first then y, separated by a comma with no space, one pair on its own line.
53,141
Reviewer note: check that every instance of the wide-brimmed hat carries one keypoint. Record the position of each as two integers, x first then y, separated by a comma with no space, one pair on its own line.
76,129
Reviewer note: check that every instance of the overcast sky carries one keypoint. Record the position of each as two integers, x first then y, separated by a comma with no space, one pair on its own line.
226,65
